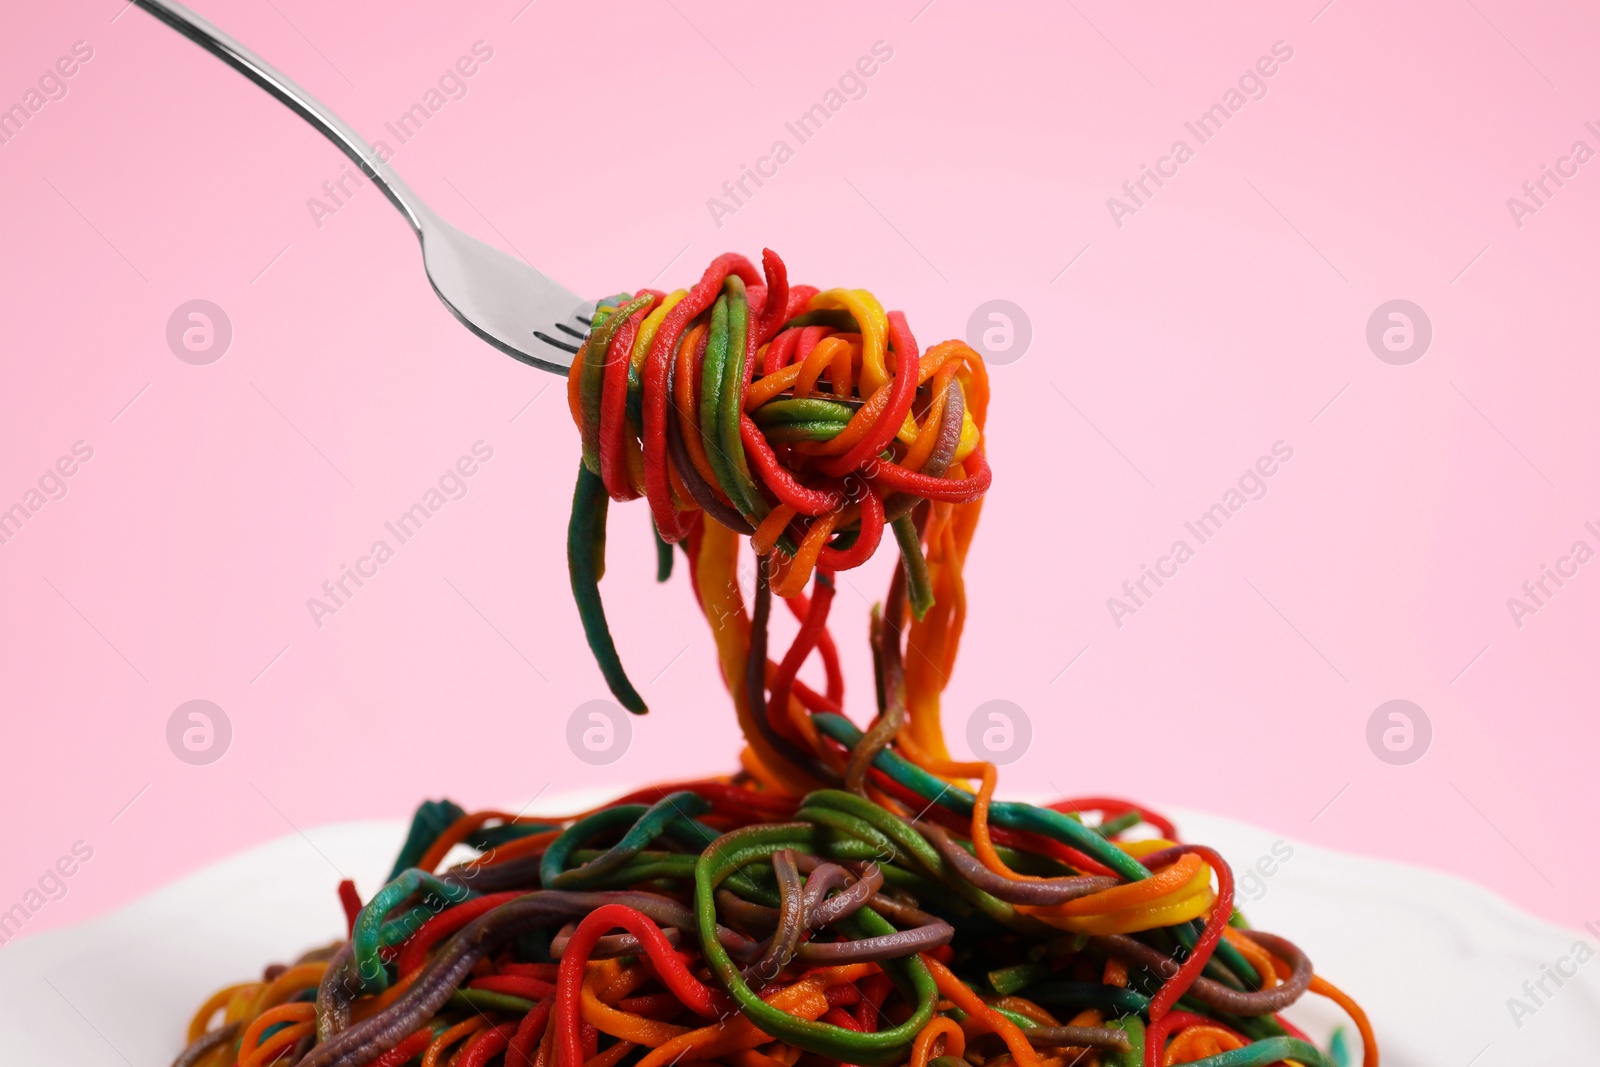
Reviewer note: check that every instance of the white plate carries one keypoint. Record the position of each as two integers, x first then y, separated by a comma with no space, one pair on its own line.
1434,959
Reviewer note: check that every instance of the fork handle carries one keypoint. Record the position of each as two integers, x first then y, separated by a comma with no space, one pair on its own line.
296,98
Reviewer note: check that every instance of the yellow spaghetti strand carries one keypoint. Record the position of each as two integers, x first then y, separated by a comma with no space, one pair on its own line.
874,325
723,605
1162,884
651,323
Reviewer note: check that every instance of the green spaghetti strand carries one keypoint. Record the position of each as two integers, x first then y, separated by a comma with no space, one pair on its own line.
606,323
721,393
887,1046
919,587
643,825
586,555
366,937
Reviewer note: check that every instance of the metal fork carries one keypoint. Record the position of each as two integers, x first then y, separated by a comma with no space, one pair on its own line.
508,303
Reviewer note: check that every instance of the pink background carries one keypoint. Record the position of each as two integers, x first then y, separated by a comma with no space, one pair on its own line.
1227,314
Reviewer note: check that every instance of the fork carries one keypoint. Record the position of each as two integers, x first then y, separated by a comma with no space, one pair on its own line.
509,303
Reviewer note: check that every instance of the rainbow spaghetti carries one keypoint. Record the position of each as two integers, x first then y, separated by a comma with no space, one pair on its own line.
845,898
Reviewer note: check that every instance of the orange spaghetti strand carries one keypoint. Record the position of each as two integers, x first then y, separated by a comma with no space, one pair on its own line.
764,389
369,1006
1369,1041
522,846
826,356
214,1003
717,586
752,1058
928,432
250,1041
982,845
858,427
621,1024
765,539
610,1056
687,387
934,639
1116,973
1027,1009
940,1026
804,999
805,559
276,1045
1168,880
300,976
1262,960
1198,1042
843,366
460,1030
462,828
969,1002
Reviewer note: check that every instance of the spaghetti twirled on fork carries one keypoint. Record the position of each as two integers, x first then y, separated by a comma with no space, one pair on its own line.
845,898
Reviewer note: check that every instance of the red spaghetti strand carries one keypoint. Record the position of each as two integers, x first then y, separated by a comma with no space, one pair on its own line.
826,649
669,968
893,478
775,308
350,900
902,390
485,1045
775,358
1111,807
658,484
1221,912
783,484
835,559
811,630
519,1050
407,1050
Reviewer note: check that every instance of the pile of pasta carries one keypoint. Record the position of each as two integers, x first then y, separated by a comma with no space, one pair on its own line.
849,896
